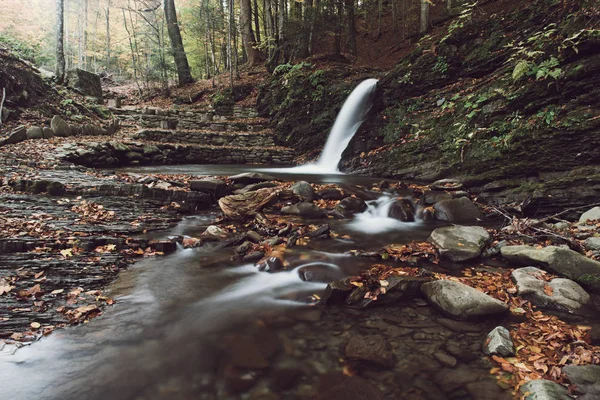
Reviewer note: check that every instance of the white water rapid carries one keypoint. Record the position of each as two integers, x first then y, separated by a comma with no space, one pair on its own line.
346,124
376,218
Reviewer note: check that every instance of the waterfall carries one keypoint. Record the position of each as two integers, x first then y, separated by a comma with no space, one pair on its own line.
346,124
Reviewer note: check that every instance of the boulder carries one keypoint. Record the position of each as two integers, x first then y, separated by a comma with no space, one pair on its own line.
17,135
241,206
35,132
402,210
460,301
499,343
320,272
372,349
48,133
337,291
216,187
396,287
251,177
330,194
558,260
460,210
304,209
593,243
558,294
303,190
86,82
60,127
586,379
459,243
431,197
543,389
213,232
592,214
350,206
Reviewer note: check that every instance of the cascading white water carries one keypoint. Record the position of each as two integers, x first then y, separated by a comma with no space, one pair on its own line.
376,218
349,119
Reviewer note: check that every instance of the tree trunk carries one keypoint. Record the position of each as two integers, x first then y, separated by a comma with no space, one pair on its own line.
181,62
60,48
337,43
248,41
107,13
229,44
256,24
424,16
351,27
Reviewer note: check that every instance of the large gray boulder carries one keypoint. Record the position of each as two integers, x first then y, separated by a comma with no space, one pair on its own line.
558,294
86,82
586,379
60,127
543,389
460,301
48,133
251,177
459,243
558,260
303,190
216,187
17,135
592,214
35,132
457,211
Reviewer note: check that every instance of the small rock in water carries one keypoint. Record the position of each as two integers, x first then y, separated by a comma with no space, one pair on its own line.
350,206
370,348
542,389
331,194
254,256
213,232
322,232
459,243
244,247
402,210
304,190
445,358
271,264
461,301
498,342
559,293
319,273
457,211
337,292
304,209
254,236
586,379
251,177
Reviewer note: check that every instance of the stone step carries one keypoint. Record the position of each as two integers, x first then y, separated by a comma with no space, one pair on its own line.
112,154
197,122
262,138
131,113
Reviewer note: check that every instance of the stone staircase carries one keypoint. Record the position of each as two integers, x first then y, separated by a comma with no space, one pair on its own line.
204,136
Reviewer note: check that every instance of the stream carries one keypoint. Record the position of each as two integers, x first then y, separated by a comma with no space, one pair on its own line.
195,324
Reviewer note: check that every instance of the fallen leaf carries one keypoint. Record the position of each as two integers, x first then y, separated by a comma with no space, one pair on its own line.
548,290
35,325
57,291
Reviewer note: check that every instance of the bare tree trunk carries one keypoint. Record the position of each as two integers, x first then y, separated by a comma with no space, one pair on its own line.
107,13
133,55
351,27
229,45
424,16
85,35
60,48
256,24
181,62
254,55
337,43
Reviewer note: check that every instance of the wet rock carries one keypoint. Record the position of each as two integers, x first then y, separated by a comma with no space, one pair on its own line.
254,236
457,211
330,194
562,226
445,358
253,256
251,177
402,210
498,342
304,209
48,133
370,348
17,135
558,294
450,379
164,246
271,264
461,301
322,232
447,184
35,132
350,206
60,127
213,232
591,214
241,206
398,288
215,187
586,379
337,292
317,272
459,243
274,241
255,186
542,389
337,386
244,247
431,197
593,243
304,190
558,260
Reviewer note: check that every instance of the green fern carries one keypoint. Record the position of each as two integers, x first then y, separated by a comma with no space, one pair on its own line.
521,69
